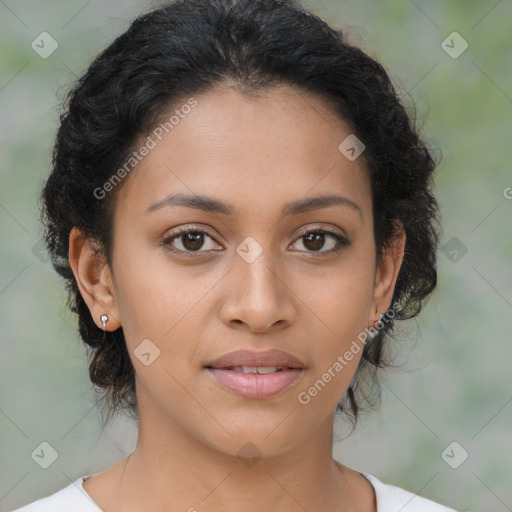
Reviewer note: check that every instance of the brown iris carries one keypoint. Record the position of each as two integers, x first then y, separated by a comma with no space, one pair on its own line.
193,241
317,240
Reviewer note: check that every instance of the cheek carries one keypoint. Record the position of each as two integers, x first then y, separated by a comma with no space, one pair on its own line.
340,302
342,298
143,290
161,302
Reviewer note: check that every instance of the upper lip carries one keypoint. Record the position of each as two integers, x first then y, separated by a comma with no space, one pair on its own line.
272,357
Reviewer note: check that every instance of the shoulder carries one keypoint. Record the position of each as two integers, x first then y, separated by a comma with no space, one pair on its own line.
73,497
394,499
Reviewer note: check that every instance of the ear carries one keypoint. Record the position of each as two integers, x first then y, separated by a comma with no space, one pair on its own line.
387,274
94,279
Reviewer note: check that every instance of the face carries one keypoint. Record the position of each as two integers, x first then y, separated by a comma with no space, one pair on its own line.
244,263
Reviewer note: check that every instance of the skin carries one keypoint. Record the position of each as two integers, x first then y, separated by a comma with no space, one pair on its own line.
256,153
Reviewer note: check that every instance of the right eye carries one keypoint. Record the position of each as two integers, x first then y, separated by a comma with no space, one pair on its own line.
189,240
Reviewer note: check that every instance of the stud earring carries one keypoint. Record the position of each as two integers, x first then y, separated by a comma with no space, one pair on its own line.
104,320
375,324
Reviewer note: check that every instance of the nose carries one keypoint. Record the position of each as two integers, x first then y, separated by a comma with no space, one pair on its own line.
258,299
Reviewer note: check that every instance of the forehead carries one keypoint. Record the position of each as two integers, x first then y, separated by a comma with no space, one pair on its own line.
268,148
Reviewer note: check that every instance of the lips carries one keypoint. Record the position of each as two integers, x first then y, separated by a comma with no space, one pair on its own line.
256,375
247,358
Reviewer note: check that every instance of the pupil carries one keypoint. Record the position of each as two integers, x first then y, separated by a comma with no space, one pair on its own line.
196,240
318,240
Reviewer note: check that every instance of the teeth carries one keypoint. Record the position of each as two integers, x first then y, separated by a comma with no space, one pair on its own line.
262,370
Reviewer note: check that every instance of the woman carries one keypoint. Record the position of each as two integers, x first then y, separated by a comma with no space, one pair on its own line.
241,209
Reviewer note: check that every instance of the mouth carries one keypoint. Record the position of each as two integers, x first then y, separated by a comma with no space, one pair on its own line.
261,370
256,375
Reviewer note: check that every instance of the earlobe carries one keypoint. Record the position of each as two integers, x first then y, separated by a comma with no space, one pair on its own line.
93,278
387,273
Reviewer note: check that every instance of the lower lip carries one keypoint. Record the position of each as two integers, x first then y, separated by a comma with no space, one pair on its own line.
254,385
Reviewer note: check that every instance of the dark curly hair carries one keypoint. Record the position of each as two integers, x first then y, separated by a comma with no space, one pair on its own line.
187,47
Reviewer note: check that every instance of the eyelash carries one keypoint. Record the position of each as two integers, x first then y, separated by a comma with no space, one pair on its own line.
341,241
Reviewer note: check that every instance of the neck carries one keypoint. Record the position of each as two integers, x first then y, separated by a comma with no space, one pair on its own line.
170,469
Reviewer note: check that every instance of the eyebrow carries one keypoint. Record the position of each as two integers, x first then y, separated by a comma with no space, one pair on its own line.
212,205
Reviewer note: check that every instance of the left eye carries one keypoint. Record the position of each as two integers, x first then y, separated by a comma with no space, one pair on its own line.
315,240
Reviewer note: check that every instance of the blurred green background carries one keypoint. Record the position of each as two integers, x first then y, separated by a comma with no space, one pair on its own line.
454,383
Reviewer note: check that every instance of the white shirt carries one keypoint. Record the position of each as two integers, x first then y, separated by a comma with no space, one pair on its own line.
73,498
